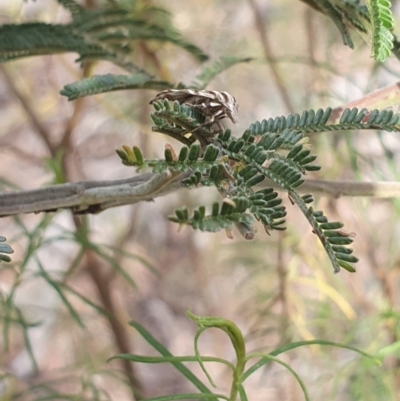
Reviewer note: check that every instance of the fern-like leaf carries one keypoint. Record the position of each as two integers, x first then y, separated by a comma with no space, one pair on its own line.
109,26
355,13
375,19
35,39
318,121
222,217
5,249
273,149
32,39
94,34
328,8
189,159
266,207
109,82
260,159
212,70
309,121
263,157
382,23
139,30
333,239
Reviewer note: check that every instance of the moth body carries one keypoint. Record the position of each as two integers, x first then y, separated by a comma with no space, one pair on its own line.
214,105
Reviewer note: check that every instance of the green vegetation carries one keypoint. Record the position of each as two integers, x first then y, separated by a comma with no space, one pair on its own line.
76,280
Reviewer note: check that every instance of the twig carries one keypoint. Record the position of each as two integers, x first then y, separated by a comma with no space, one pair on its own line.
261,27
89,196
386,189
383,98
96,196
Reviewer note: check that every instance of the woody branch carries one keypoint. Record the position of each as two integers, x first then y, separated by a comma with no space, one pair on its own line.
96,196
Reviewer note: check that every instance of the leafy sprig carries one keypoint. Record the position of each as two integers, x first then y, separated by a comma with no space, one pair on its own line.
231,210
374,19
382,24
239,370
210,71
110,82
274,149
105,33
319,121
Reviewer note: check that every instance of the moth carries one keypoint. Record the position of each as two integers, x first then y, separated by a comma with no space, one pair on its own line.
214,105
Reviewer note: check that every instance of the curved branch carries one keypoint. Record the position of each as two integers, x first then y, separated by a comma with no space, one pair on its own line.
96,196
90,196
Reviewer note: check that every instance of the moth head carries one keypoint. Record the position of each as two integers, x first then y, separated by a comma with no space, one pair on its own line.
230,106
232,110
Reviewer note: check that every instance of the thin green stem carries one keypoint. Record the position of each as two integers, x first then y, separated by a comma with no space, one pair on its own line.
236,338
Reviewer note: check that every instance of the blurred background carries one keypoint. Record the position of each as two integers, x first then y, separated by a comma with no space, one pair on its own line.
57,298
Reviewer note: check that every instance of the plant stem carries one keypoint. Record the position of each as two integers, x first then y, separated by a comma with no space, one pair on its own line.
236,338
96,196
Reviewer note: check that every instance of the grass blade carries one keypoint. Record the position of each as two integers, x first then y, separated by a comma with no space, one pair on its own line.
297,344
163,351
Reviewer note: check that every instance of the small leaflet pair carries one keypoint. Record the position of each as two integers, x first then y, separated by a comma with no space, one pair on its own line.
214,105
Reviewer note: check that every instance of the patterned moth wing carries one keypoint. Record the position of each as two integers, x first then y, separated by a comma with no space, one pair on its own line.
212,104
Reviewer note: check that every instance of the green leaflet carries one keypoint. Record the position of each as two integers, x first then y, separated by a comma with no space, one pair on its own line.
106,34
375,20
109,82
210,71
382,24
274,149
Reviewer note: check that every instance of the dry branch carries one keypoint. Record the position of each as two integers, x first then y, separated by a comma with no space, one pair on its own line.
96,196
90,196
